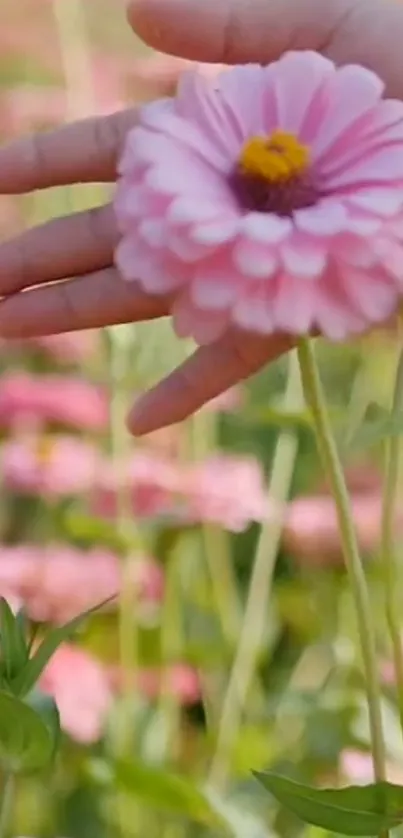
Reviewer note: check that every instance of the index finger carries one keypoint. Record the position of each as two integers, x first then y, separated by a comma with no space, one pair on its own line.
366,32
83,152
210,371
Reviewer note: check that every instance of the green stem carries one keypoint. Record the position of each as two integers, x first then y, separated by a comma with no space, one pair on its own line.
388,547
216,542
119,354
6,803
171,650
248,651
316,402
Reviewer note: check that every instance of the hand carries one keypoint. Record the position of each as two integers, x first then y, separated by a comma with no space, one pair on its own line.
89,292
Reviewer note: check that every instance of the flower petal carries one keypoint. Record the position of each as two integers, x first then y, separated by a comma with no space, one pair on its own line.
298,78
351,92
255,260
267,229
324,219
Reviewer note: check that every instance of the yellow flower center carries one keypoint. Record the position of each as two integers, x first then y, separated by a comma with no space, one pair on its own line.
44,449
276,159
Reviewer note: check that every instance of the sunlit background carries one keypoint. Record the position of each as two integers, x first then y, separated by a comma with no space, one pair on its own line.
231,644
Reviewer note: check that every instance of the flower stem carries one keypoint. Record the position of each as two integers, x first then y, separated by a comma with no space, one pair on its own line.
388,553
247,654
171,651
120,353
216,542
6,803
327,447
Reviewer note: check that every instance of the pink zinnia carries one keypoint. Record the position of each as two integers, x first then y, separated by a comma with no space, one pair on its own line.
269,199
49,465
80,686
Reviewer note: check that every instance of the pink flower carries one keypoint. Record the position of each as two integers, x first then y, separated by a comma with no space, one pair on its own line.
55,466
152,480
180,680
223,490
356,767
269,198
80,687
52,398
228,491
66,348
311,531
56,583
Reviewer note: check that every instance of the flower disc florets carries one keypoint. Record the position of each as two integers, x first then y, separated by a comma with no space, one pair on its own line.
269,199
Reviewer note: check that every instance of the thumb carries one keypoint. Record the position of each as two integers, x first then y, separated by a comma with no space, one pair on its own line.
367,32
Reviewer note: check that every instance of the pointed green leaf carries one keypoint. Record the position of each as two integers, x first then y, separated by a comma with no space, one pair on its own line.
25,741
46,708
354,810
161,789
14,652
26,680
379,424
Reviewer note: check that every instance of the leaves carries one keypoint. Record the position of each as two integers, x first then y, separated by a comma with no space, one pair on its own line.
354,810
379,424
14,652
26,743
164,790
27,679
46,708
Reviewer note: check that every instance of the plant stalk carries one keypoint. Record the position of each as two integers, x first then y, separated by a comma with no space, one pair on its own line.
327,448
388,545
247,655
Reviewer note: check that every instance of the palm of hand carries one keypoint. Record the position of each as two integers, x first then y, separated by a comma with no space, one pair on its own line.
68,289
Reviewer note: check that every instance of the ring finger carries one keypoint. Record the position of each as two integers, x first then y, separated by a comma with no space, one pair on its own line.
64,247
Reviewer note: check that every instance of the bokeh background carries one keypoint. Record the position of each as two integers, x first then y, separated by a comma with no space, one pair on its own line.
216,538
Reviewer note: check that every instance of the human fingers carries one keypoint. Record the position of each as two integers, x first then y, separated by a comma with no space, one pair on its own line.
82,152
98,299
367,32
63,247
210,371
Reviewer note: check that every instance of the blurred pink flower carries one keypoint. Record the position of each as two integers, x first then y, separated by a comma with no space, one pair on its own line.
261,210
223,490
80,687
50,465
228,491
180,680
56,583
356,767
311,531
66,348
52,398
152,479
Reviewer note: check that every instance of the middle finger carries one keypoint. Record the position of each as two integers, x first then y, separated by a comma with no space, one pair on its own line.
64,247
92,301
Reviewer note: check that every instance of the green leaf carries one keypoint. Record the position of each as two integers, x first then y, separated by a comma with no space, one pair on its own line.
379,425
14,652
25,741
46,708
26,680
271,417
354,810
163,790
